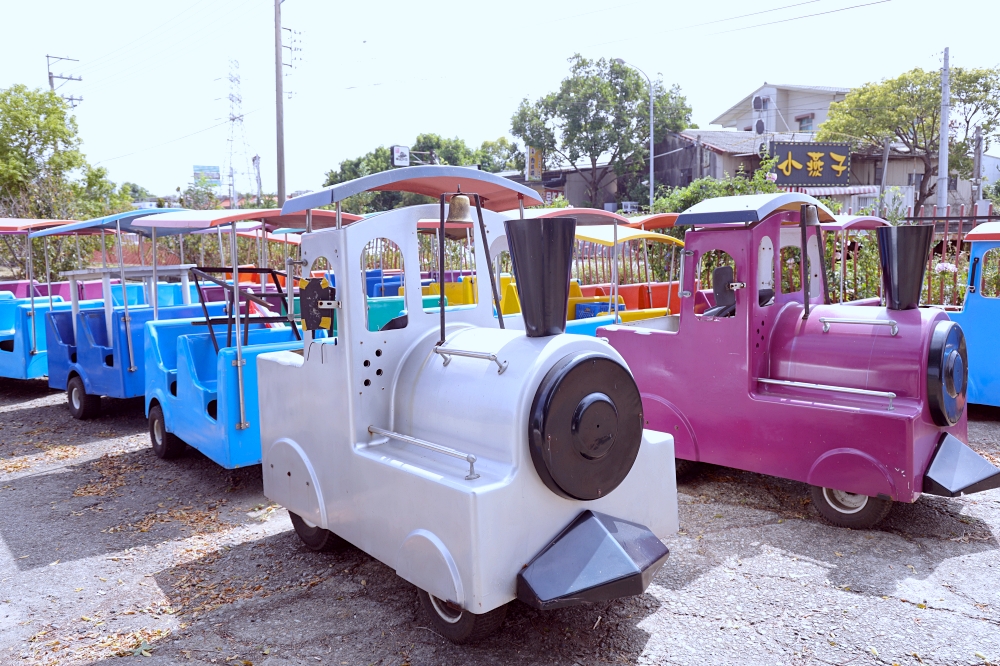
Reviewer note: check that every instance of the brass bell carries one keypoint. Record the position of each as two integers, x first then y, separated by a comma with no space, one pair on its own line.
460,209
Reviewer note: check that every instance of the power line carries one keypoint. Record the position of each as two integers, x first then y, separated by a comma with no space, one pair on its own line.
135,65
796,18
180,138
162,26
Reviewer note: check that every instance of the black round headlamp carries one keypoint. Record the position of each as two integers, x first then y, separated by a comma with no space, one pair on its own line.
947,373
585,426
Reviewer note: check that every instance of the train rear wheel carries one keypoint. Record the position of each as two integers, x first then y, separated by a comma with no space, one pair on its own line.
81,405
859,512
166,445
315,537
457,625
685,469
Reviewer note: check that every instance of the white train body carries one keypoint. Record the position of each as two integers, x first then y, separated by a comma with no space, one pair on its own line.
461,540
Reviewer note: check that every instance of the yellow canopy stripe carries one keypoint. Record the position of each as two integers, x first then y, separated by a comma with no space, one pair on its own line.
605,234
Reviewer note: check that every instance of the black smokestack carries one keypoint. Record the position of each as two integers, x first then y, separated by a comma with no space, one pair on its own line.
903,257
542,253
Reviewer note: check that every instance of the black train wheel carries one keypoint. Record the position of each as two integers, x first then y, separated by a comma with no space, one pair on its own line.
585,426
457,625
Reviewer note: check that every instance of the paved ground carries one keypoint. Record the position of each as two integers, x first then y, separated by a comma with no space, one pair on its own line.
106,550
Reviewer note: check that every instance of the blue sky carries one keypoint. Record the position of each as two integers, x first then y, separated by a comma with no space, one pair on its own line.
155,74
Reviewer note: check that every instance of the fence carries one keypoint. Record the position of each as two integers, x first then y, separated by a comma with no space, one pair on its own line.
947,271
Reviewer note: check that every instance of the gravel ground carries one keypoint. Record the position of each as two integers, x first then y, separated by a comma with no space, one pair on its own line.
107,551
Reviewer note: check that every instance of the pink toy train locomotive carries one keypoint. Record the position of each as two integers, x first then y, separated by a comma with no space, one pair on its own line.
867,405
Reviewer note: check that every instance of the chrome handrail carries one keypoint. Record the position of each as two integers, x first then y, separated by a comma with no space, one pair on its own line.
827,387
467,457
486,356
826,321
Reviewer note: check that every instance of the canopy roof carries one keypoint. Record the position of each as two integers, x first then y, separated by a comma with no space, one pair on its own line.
604,235
985,231
498,193
107,222
190,220
854,222
584,216
654,221
748,209
19,225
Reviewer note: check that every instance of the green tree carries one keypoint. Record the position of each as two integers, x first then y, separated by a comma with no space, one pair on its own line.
596,122
500,155
39,148
906,110
200,195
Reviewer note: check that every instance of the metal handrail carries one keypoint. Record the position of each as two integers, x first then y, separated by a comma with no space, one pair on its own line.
826,387
486,356
826,321
467,457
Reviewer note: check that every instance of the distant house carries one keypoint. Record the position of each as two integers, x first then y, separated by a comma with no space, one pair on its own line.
782,108
787,113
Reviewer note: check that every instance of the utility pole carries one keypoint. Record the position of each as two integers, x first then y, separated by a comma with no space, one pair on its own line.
885,169
256,168
279,104
977,166
73,101
942,180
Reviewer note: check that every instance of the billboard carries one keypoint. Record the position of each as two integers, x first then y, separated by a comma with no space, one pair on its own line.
212,174
533,165
809,164
400,156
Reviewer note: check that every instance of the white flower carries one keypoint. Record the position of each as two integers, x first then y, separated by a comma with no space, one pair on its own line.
945,267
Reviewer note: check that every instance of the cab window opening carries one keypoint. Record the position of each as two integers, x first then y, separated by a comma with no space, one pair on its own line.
383,285
460,277
989,286
714,296
765,272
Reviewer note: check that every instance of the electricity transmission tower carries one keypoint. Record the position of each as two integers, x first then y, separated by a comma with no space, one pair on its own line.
237,135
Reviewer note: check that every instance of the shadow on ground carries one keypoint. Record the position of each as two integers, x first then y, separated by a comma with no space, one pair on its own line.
274,594
119,501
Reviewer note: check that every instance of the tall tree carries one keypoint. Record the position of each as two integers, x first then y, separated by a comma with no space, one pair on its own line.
597,121
39,148
907,109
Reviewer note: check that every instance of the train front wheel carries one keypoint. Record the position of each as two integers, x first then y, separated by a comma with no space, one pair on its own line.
457,625
81,405
166,445
859,512
314,537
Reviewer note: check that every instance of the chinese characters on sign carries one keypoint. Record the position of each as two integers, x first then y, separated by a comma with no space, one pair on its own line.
806,164
533,165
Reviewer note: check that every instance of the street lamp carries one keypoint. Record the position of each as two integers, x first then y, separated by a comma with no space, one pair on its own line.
651,153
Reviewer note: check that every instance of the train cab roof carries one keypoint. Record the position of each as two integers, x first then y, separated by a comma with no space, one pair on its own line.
988,231
19,225
854,223
189,221
125,221
585,217
746,210
496,192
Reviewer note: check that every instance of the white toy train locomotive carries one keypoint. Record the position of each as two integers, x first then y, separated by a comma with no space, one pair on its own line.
482,464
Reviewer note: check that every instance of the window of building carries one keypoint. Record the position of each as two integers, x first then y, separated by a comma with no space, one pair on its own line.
989,285
878,175
914,179
952,183
716,272
806,124
382,282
